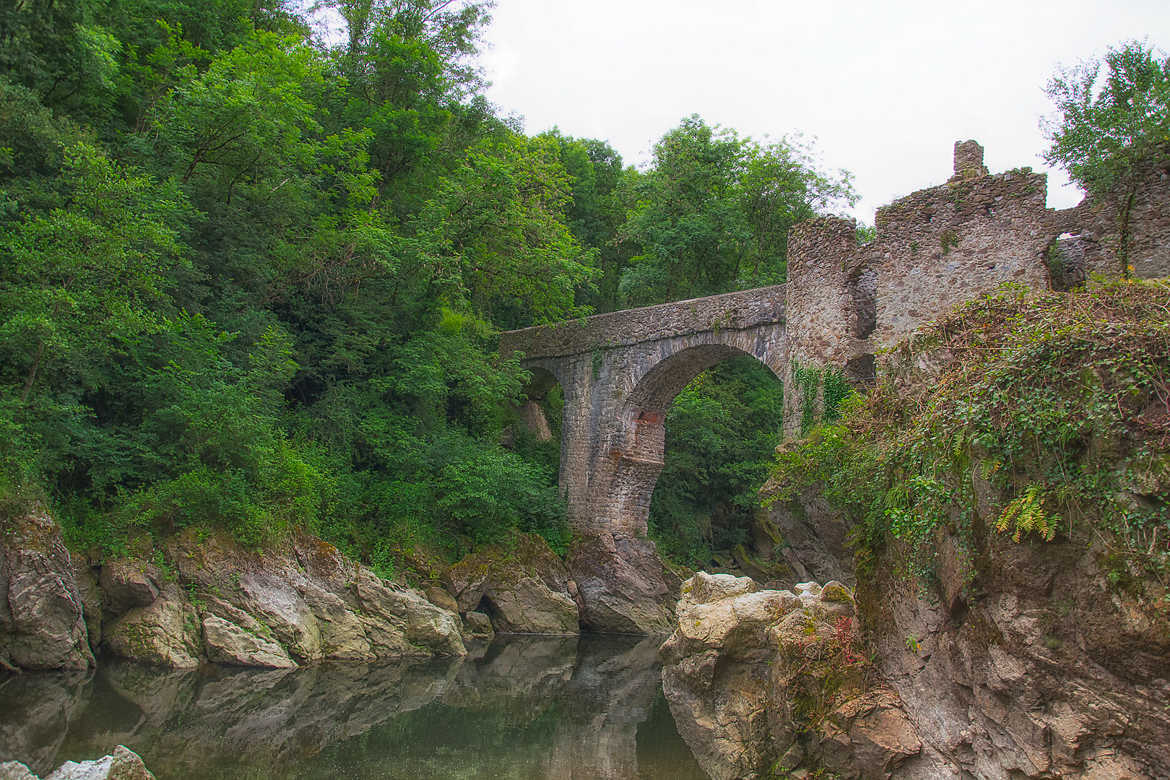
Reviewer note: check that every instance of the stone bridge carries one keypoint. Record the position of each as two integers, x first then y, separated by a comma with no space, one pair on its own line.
619,373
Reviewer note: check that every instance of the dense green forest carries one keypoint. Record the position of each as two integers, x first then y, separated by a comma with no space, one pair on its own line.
252,277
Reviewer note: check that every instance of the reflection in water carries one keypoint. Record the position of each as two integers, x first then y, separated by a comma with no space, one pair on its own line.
529,707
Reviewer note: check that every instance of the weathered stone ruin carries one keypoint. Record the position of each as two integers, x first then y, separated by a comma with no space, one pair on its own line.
943,246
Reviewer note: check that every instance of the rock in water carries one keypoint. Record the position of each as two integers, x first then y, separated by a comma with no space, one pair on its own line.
477,625
229,644
524,589
624,588
768,681
42,620
301,601
165,633
122,764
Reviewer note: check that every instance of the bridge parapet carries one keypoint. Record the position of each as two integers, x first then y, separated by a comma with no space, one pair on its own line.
731,311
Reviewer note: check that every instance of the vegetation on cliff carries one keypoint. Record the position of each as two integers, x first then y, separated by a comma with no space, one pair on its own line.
1055,407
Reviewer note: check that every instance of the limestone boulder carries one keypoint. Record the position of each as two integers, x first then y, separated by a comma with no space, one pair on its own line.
305,602
165,633
122,764
765,681
230,644
477,625
42,613
14,770
127,583
441,598
807,535
624,586
407,613
524,588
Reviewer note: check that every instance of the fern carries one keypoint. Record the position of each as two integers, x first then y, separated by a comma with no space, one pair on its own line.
1025,514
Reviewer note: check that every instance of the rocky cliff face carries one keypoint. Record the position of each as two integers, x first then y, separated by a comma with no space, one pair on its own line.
42,623
1031,665
524,589
205,599
1048,674
122,764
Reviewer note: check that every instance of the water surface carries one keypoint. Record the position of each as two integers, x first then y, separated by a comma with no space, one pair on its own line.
523,707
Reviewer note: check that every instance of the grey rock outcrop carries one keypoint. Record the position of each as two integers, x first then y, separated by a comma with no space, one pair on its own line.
229,644
477,625
305,603
206,598
1039,668
624,586
122,764
524,589
42,617
127,583
14,770
810,538
163,633
760,681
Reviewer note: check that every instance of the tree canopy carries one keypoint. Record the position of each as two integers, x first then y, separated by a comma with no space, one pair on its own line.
1114,115
252,277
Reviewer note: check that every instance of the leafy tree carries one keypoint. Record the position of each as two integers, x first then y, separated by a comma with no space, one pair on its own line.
498,237
1114,124
601,190
1114,115
713,213
247,115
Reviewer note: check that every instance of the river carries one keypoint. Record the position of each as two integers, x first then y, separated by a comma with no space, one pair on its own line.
522,707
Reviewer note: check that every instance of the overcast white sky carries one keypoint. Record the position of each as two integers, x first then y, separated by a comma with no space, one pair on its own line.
885,88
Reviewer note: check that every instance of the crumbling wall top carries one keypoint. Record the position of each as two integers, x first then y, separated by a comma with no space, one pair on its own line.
969,160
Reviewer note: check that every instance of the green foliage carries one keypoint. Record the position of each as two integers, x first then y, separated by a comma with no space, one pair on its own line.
1114,117
948,241
714,212
253,280
1025,514
498,238
1055,401
824,385
253,283
720,434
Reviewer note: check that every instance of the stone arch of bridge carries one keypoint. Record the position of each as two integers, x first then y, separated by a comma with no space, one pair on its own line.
624,482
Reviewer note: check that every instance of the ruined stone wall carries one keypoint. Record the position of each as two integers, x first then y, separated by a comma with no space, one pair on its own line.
822,255
940,247
1096,243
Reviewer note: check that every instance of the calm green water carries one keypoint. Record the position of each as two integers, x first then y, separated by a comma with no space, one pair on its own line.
520,708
